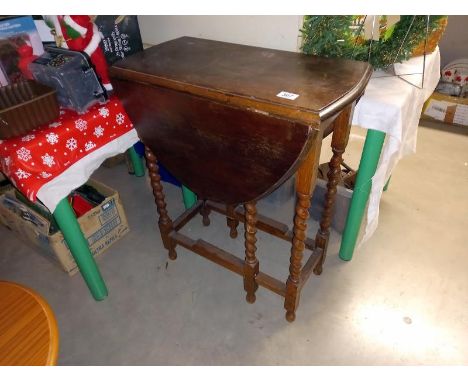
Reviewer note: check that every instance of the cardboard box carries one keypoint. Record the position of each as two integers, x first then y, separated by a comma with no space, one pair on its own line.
447,109
102,226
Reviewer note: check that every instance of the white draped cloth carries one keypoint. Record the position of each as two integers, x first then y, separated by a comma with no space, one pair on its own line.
393,106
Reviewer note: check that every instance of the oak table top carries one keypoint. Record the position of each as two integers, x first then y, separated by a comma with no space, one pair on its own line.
28,328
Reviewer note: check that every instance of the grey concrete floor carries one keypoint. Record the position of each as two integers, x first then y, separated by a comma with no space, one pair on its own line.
402,300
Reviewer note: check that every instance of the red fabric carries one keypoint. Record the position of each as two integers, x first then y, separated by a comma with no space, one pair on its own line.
34,159
80,43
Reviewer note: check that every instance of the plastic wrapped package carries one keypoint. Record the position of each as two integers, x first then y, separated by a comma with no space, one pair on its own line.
71,75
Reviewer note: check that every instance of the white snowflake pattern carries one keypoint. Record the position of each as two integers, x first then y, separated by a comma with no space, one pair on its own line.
48,160
55,124
98,131
89,146
52,138
21,174
7,161
28,138
24,154
45,175
104,112
71,144
120,118
81,124
62,112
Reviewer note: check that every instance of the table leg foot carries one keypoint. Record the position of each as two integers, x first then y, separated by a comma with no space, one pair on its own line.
318,269
231,221
250,298
251,265
205,213
164,222
172,254
290,316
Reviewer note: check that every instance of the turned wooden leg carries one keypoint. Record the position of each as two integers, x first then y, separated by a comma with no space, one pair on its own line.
205,212
297,250
231,220
164,222
250,263
342,125
305,180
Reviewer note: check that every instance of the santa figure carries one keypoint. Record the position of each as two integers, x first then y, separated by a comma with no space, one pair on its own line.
80,33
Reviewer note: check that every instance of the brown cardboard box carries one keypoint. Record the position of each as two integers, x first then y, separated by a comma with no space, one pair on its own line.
102,226
447,109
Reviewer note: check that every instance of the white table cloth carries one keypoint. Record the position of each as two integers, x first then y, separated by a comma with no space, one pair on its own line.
393,106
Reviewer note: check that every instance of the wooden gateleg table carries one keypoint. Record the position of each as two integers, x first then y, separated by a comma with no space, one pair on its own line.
233,123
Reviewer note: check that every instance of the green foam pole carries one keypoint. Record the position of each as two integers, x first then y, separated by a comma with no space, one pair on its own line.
367,166
137,162
189,197
79,248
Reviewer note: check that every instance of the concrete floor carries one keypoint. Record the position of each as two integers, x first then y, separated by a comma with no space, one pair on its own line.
402,300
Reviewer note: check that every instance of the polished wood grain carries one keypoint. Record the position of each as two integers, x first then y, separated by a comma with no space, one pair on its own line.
210,146
28,329
250,77
210,112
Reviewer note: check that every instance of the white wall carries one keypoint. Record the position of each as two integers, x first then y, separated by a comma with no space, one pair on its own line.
454,42
276,32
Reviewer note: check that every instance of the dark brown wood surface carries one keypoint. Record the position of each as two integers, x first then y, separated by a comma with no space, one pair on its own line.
220,152
249,76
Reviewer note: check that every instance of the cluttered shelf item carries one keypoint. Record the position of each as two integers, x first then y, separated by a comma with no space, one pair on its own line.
233,123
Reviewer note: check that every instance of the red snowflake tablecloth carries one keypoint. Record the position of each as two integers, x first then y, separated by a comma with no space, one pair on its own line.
36,159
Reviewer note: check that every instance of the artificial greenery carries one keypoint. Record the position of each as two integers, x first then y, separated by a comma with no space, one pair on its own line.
338,36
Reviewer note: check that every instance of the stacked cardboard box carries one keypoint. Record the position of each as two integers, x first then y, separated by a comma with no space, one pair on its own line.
447,109
102,226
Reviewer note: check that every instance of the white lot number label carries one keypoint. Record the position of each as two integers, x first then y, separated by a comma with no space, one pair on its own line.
287,95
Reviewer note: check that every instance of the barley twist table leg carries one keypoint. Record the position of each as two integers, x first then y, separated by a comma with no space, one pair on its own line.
165,222
305,183
339,141
300,229
251,266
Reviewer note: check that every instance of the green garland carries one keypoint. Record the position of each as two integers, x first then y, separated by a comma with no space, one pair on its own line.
332,36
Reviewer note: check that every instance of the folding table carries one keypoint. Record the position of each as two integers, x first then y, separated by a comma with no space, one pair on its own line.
52,160
233,123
